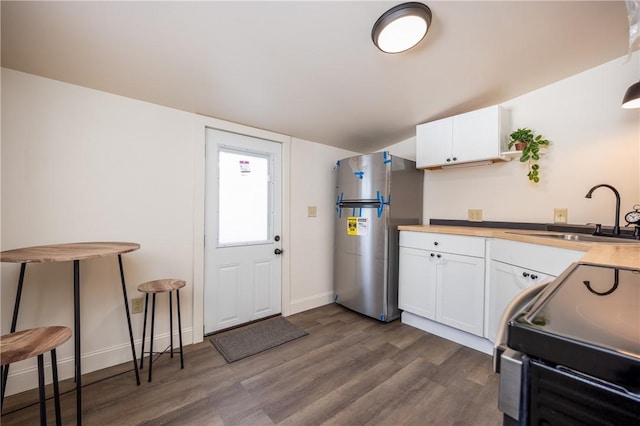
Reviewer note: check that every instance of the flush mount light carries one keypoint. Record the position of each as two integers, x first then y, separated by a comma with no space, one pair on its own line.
401,27
632,96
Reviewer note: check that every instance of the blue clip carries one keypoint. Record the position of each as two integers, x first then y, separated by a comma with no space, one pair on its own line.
359,174
338,163
382,203
335,298
381,317
338,201
387,157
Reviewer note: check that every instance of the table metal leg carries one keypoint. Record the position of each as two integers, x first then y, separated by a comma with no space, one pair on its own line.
76,332
14,322
126,307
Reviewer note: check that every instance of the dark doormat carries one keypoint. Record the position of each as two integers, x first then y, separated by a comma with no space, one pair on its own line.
254,338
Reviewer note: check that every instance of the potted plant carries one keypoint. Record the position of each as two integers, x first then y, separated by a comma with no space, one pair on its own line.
530,151
520,138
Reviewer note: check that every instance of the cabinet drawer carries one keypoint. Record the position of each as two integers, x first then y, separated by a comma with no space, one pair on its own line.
456,244
545,259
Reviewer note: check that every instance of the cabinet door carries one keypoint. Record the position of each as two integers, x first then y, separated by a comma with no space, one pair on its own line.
506,281
417,283
461,292
476,135
433,143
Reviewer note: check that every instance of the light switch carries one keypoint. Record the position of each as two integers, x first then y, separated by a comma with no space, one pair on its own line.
312,211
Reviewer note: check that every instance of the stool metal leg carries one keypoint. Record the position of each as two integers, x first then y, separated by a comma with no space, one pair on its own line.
179,327
56,388
170,325
1,388
153,318
126,308
43,398
144,327
14,322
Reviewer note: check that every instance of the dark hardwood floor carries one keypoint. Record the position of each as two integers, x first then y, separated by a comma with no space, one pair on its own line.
349,370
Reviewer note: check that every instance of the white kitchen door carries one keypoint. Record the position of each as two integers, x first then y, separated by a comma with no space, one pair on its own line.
243,265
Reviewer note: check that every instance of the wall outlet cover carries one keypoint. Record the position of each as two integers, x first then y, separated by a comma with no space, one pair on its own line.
475,215
137,305
560,215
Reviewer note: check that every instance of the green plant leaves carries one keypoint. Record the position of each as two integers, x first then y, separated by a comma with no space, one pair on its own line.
531,153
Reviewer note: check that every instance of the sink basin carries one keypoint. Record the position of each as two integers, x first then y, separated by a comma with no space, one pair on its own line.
582,237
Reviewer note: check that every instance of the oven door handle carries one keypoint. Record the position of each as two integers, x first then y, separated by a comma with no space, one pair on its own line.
522,299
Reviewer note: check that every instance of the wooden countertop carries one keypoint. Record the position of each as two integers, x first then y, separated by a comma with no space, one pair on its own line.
624,255
66,252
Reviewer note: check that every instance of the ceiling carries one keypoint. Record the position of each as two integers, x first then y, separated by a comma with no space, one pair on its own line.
309,69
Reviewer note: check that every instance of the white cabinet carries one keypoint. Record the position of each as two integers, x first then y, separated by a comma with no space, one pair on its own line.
515,266
473,136
442,278
506,281
417,282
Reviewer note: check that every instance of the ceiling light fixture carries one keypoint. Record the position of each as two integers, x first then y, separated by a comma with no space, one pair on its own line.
401,27
632,97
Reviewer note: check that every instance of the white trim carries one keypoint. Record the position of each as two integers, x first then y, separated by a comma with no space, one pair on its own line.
23,376
306,303
462,337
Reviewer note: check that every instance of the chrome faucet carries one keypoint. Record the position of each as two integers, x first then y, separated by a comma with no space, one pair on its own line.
616,227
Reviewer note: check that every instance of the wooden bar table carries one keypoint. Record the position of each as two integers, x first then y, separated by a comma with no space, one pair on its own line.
71,252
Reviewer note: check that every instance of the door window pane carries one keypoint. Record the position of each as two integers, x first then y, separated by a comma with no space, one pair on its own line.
244,191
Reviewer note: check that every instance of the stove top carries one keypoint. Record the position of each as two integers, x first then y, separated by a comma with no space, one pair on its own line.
588,320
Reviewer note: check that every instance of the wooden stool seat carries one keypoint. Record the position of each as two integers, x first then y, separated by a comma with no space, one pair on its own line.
26,344
161,286
153,288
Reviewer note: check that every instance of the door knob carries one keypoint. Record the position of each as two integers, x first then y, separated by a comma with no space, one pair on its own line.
278,251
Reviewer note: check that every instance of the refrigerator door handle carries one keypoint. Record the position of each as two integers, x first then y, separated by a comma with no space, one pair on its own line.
359,204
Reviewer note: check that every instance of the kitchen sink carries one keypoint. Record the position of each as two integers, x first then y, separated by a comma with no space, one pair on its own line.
582,237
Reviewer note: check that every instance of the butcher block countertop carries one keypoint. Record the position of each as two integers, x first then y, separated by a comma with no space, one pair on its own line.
623,255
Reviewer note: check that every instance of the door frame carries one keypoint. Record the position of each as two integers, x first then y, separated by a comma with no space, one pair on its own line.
199,169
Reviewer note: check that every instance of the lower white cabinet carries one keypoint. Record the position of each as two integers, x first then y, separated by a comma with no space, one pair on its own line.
515,266
460,293
417,283
440,285
506,281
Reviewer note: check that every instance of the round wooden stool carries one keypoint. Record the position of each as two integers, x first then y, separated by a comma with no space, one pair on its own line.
26,344
155,287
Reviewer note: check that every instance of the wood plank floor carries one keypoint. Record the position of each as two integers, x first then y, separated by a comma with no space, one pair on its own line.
349,370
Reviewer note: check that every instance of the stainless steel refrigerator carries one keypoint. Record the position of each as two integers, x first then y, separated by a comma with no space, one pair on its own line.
374,194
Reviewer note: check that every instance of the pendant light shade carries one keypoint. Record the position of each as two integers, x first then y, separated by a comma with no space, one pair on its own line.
632,96
401,27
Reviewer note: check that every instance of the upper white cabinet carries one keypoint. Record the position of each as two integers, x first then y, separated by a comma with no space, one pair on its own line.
474,136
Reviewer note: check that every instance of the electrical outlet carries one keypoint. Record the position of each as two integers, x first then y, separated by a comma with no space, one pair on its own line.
559,215
137,305
475,215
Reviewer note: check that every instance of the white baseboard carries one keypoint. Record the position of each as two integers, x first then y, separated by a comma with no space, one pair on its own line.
462,337
23,376
306,303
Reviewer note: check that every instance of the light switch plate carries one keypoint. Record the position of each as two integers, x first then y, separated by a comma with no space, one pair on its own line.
312,211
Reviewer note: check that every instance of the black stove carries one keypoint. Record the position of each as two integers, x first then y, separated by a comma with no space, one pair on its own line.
580,345
587,320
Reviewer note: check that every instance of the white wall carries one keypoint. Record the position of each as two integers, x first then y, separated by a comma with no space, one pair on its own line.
593,140
311,253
